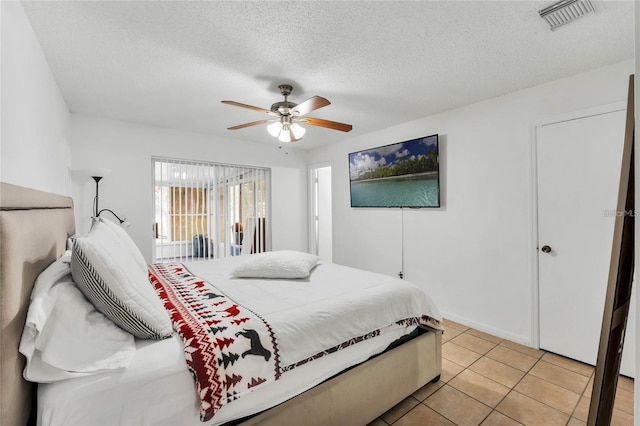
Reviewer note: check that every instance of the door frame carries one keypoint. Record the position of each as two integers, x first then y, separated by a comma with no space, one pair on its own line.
545,121
312,203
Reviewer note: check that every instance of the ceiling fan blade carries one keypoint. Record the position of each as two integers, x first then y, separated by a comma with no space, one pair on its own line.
309,105
253,123
327,123
255,108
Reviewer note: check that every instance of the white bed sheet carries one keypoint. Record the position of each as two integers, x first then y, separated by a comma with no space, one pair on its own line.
307,316
157,381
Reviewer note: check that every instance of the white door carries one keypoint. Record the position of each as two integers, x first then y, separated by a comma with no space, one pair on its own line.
578,177
321,213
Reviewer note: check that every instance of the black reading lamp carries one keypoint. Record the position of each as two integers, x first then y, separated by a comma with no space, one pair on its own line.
97,175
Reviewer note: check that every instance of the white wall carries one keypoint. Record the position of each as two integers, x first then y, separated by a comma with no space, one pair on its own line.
35,143
475,253
127,148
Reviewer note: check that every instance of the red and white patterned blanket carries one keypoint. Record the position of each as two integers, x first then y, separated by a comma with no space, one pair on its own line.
229,350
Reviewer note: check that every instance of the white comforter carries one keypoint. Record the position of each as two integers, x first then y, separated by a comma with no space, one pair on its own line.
336,303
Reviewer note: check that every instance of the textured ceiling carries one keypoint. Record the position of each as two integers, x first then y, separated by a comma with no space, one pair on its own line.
170,63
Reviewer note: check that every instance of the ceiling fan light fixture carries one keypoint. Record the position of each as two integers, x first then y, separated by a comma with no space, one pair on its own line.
274,129
297,130
286,131
285,136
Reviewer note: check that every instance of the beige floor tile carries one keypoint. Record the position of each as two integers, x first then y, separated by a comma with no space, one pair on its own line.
480,387
458,354
471,383
582,409
497,371
452,324
589,388
575,382
620,418
530,412
625,383
548,393
457,407
473,343
536,353
499,419
624,401
449,370
402,408
512,358
569,364
450,333
423,415
485,336
426,391
575,422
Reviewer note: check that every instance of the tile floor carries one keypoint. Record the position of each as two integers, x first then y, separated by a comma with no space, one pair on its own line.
490,381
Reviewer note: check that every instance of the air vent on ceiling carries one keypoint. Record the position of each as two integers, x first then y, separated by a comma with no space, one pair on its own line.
565,11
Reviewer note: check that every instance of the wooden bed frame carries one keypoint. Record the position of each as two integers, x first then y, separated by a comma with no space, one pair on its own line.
34,228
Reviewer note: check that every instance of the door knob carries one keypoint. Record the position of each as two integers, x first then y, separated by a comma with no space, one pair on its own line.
546,249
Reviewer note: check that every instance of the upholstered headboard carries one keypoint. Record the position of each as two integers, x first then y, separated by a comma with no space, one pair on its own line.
34,227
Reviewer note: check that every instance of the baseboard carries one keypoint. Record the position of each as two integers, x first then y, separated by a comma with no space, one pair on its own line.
523,340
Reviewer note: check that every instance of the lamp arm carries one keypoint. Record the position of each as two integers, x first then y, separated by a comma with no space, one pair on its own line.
95,199
110,211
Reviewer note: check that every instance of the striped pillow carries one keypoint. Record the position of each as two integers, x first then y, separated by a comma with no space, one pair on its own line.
126,239
109,277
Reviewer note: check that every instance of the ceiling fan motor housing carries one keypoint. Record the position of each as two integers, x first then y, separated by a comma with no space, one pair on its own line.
285,106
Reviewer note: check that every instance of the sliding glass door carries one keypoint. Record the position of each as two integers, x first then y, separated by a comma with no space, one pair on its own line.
207,210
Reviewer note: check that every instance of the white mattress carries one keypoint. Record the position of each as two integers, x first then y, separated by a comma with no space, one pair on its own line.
156,388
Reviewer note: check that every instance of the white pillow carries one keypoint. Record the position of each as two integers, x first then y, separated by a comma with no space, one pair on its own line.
126,239
65,336
66,257
110,278
276,264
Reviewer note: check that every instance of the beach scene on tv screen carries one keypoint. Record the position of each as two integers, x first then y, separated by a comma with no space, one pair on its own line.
404,174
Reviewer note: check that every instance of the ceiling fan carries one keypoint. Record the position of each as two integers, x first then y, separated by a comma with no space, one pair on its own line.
288,114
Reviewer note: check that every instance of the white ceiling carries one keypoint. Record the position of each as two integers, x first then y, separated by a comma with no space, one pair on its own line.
170,63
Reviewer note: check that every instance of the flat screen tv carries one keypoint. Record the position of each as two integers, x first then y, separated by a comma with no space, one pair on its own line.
403,174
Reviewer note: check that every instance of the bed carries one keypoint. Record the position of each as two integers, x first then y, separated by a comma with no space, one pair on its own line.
34,228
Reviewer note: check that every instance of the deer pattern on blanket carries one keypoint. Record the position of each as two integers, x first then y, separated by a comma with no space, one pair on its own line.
229,349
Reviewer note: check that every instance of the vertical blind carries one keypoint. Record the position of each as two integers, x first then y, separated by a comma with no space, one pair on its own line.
208,210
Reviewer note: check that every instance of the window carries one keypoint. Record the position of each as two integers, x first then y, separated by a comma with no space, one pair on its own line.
208,210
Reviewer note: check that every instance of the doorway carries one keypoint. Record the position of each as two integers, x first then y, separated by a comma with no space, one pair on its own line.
321,227
578,173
